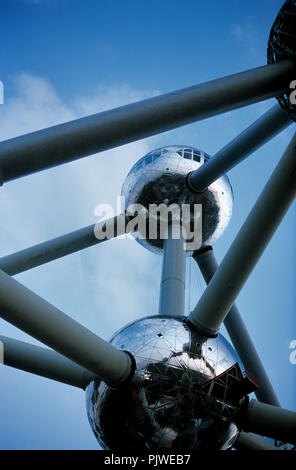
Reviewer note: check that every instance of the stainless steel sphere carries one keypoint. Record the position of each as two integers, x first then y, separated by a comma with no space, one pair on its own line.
168,405
282,45
159,177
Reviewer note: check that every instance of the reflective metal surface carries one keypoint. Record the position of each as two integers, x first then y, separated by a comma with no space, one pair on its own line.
282,45
159,177
165,406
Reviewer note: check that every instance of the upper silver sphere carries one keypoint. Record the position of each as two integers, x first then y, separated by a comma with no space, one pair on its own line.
159,177
282,45
170,402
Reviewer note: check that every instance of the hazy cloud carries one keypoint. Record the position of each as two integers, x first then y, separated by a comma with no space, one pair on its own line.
62,199
247,36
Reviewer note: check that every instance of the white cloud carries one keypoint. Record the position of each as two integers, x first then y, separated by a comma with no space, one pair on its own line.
247,36
103,287
109,279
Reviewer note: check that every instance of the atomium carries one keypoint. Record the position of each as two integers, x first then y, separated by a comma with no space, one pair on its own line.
174,399
160,177
167,381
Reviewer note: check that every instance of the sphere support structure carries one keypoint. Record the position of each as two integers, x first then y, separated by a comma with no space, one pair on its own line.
271,421
63,143
172,286
248,245
238,332
32,314
257,134
44,362
61,246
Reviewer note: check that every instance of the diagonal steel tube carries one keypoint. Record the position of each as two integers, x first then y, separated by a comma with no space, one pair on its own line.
249,244
37,317
59,144
271,421
267,126
60,246
44,362
238,332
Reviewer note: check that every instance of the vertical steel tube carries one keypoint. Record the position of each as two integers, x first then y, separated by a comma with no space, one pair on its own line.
249,244
238,332
172,286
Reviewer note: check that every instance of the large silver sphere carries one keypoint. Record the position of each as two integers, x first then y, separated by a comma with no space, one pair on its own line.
159,177
166,406
282,45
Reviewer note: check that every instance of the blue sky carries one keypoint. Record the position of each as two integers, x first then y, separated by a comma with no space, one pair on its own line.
62,59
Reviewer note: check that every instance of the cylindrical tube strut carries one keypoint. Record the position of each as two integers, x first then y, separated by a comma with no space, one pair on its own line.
172,286
249,441
34,315
238,332
61,246
46,148
249,244
271,123
271,421
44,362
